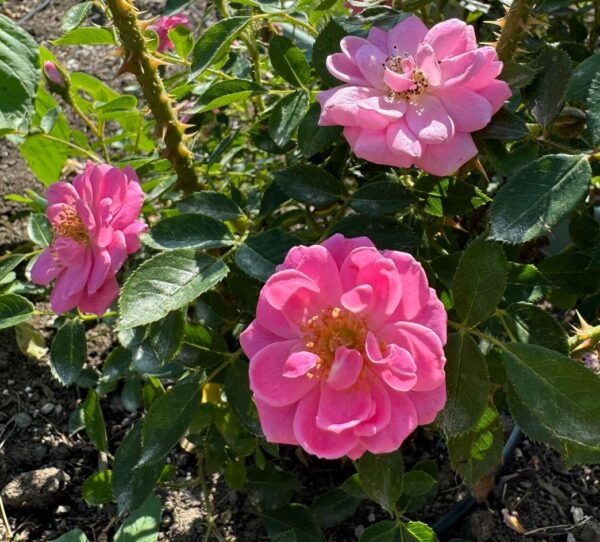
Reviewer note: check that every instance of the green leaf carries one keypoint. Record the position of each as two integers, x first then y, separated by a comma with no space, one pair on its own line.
14,309
449,197
239,396
226,92
39,229
517,75
467,384
557,392
534,325
76,15
87,35
151,391
538,196
380,198
19,74
182,39
8,263
271,6
167,421
211,345
593,110
175,6
313,138
45,158
68,351
188,231
132,484
415,531
418,485
327,43
505,126
384,531
582,77
167,282
381,477
573,453
131,394
143,525
287,115
94,421
570,272
545,95
333,508
76,535
289,61
161,343
235,474
310,185
295,517
215,42
97,489
477,452
116,364
260,254
479,281
525,283
386,232
270,487
213,204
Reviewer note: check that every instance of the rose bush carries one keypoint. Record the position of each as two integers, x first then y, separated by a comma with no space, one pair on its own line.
313,231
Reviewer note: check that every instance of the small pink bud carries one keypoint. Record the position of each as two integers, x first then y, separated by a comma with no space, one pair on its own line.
52,73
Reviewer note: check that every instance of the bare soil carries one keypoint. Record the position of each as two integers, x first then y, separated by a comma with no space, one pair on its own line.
538,494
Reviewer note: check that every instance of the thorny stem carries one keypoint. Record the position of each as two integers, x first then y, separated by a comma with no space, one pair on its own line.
139,62
514,26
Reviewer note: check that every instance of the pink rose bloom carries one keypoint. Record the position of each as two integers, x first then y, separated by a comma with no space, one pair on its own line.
346,351
162,27
95,228
413,96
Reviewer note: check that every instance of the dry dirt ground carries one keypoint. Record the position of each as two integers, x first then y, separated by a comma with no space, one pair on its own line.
44,468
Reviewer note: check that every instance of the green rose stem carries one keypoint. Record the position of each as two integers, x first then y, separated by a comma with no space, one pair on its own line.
144,66
515,23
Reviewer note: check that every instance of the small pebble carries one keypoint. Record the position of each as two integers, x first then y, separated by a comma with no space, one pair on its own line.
22,420
58,409
11,382
27,389
48,408
4,392
359,530
371,517
62,510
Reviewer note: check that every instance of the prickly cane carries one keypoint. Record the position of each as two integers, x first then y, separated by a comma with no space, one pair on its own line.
139,61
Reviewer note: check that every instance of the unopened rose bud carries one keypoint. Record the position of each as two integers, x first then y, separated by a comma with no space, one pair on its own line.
52,73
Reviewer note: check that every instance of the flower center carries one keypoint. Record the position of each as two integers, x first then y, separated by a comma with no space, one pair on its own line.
405,65
332,328
68,223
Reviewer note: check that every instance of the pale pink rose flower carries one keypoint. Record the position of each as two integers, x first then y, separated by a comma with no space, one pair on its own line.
346,351
413,96
162,27
52,73
95,223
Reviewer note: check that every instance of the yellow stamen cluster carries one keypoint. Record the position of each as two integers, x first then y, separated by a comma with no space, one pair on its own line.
68,223
325,332
418,76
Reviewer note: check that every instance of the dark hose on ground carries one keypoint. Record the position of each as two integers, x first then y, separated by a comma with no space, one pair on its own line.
463,507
